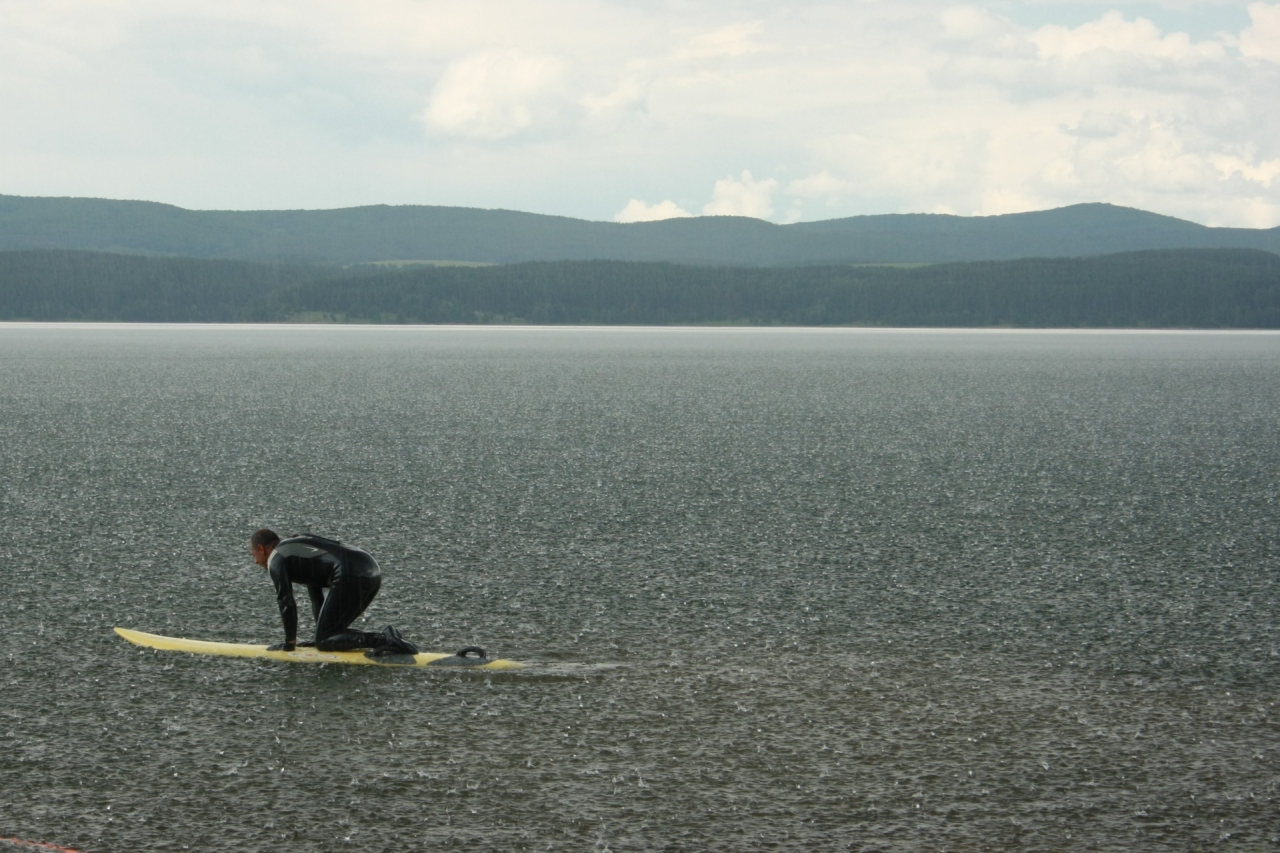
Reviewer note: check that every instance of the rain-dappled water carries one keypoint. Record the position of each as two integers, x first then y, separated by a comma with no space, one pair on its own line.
786,590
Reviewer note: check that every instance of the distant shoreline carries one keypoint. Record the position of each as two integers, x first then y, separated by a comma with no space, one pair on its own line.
401,328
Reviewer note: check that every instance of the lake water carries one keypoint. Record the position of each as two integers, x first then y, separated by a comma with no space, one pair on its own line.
779,590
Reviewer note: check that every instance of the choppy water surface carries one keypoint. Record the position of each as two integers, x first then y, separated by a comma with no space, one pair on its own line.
781,590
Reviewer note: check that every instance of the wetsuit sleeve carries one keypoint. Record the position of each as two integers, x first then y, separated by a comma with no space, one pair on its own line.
284,598
317,599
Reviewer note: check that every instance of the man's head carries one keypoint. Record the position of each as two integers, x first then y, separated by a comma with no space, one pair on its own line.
261,544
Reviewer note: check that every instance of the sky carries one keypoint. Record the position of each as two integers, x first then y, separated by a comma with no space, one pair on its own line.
629,110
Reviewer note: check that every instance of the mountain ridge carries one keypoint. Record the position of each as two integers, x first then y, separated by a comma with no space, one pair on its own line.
370,233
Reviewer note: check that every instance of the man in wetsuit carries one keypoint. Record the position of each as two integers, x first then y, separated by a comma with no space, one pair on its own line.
351,577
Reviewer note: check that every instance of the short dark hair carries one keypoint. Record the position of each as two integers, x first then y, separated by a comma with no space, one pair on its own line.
262,538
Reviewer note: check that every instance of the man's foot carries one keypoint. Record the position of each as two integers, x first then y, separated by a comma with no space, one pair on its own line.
393,643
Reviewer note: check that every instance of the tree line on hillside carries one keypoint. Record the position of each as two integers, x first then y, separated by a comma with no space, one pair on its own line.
99,286
1220,288
1213,288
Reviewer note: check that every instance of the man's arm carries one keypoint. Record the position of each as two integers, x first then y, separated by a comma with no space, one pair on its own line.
316,592
284,599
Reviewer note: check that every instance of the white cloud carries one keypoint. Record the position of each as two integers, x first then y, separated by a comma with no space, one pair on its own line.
638,211
823,187
1263,173
1114,34
984,30
744,196
733,40
491,95
950,161
819,185
1262,38
628,95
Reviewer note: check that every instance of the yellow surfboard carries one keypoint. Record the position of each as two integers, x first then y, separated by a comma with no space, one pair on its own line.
311,655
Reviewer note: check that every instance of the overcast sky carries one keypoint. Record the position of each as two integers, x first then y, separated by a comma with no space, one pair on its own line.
634,109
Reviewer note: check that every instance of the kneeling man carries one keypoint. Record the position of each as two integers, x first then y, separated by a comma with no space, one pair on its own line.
351,577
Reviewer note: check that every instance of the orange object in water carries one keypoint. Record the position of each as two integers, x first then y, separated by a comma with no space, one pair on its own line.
19,844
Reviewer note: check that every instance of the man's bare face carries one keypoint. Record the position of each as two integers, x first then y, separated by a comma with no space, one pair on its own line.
261,553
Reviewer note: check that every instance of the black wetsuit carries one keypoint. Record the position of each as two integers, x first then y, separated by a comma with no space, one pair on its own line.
350,575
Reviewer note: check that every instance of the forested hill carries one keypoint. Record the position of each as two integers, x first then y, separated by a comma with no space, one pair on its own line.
364,234
1222,288
56,285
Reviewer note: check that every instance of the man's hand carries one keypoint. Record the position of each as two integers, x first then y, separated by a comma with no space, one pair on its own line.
282,647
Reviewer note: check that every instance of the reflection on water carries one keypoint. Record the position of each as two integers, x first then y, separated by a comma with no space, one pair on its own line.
782,590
